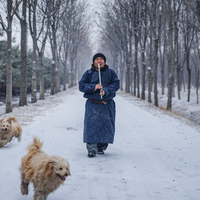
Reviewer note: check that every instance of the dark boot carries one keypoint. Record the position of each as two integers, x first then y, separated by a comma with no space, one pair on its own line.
101,147
91,153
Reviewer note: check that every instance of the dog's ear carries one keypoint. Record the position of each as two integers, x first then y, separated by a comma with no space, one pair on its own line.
1,120
49,168
9,120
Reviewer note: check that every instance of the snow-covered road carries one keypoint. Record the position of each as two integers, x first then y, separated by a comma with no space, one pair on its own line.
155,155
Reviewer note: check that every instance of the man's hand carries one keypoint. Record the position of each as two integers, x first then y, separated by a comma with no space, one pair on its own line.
102,92
98,86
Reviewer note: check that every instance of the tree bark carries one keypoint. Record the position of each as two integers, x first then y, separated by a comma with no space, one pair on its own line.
41,76
53,49
172,58
149,84
9,58
58,74
155,72
71,72
23,85
65,71
33,30
143,45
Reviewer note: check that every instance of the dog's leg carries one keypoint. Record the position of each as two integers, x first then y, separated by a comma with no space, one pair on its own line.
19,136
38,195
3,143
24,184
35,195
46,195
10,139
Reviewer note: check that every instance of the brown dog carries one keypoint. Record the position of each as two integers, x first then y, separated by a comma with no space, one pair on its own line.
9,128
46,172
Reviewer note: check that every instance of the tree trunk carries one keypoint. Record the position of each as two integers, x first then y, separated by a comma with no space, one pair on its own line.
149,84
162,62
128,74
75,73
136,72
189,78
58,74
41,76
178,84
53,81
135,81
155,71
65,72
135,66
121,79
143,75
151,52
53,49
188,38
197,87
23,85
70,72
163,75
138,83
143,44
33,89
172,58
121,68
9,59
163,53
34,33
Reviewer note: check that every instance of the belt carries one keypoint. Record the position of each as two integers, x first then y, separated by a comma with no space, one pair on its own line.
104,102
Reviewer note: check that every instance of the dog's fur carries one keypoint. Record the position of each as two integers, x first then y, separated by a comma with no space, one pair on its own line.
9,128
46,172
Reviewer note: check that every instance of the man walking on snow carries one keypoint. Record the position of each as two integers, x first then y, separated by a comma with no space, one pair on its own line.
99,88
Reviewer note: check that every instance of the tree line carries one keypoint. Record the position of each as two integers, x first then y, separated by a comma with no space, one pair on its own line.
62,24
150,43
153,43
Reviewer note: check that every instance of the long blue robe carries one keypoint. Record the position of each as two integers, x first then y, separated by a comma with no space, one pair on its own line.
99,122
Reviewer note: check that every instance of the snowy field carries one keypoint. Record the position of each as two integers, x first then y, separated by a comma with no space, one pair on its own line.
155,155
189,110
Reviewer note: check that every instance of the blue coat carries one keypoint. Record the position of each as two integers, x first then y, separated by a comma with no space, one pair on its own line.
99,122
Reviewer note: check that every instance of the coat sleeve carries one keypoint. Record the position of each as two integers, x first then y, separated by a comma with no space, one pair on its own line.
114,85
85,85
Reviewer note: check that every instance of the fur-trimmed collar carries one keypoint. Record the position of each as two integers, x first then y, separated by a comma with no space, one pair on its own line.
102,69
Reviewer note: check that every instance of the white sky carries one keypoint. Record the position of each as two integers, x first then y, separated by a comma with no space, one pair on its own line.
95,7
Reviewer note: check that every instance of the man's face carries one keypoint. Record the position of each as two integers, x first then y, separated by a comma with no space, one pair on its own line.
100,61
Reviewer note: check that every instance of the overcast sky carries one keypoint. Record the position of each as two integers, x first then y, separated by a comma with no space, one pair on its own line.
94,7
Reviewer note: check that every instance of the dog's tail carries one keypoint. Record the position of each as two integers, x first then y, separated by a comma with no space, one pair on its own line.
13,118
17,129
35,146
25,167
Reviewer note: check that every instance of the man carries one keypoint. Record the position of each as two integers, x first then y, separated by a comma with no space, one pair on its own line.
99,122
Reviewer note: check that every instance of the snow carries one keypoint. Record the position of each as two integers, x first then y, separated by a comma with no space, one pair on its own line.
155,154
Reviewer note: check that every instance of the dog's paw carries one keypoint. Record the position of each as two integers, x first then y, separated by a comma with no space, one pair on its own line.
24,190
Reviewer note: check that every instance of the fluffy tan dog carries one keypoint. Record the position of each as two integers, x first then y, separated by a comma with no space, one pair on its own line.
9,128
46,172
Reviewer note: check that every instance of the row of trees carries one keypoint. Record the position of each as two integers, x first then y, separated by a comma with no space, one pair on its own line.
153,42
63,24
149,43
